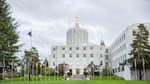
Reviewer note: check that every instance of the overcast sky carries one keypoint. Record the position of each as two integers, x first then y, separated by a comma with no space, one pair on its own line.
50,20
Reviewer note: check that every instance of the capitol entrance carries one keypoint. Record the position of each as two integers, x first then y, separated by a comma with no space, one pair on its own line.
77,71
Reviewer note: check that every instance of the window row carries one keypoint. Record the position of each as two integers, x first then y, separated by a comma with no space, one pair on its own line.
119,41
119,69
120,49
77,48
120,59
77,55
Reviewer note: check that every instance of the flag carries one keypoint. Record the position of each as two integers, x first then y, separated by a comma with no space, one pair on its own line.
36,70
53,63
30,33
36,65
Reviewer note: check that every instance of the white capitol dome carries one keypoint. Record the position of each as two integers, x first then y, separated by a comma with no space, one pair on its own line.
77,35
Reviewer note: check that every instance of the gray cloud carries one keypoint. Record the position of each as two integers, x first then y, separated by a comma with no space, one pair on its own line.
50,19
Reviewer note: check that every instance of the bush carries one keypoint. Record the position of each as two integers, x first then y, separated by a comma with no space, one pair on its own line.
69,73
96,73
1,75
11,75
85,74
105,72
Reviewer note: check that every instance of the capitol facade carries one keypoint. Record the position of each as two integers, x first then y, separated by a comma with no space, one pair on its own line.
78,53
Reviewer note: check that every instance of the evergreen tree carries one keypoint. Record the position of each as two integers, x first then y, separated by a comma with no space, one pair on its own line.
31,55
140,50
30,59
8,35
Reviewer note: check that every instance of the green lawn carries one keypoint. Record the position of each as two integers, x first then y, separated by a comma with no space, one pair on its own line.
77,82
58,80
38,78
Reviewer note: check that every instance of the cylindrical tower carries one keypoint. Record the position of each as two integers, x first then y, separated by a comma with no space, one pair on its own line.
77,35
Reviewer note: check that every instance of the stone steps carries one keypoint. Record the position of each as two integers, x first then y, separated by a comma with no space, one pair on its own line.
77,77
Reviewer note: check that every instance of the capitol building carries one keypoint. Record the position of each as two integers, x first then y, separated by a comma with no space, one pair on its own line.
80,56
78,53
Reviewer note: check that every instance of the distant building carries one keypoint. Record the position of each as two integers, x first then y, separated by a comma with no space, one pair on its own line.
119,52
78,53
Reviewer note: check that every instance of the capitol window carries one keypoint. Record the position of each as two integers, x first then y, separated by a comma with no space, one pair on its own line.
124,46
70,55
70,48
101,62
91,55
63,48
124,36
100,48
53,55
91,48
53,63
84,55
84,48
77,55
77,48
53,49
63,55
101,55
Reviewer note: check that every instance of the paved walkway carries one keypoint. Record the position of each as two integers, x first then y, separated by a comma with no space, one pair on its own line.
77,77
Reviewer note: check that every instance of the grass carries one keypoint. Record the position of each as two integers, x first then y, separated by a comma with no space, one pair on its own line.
39,78
52,80
77,82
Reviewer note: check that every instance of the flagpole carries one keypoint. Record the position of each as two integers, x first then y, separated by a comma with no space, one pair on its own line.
20,67
144,69
41,71
135,69
45,72
30,34
33,71
49,71
110,68
24,70
30,46
3,68
36,70
28,69
12,69
120,71
110,71
107,71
